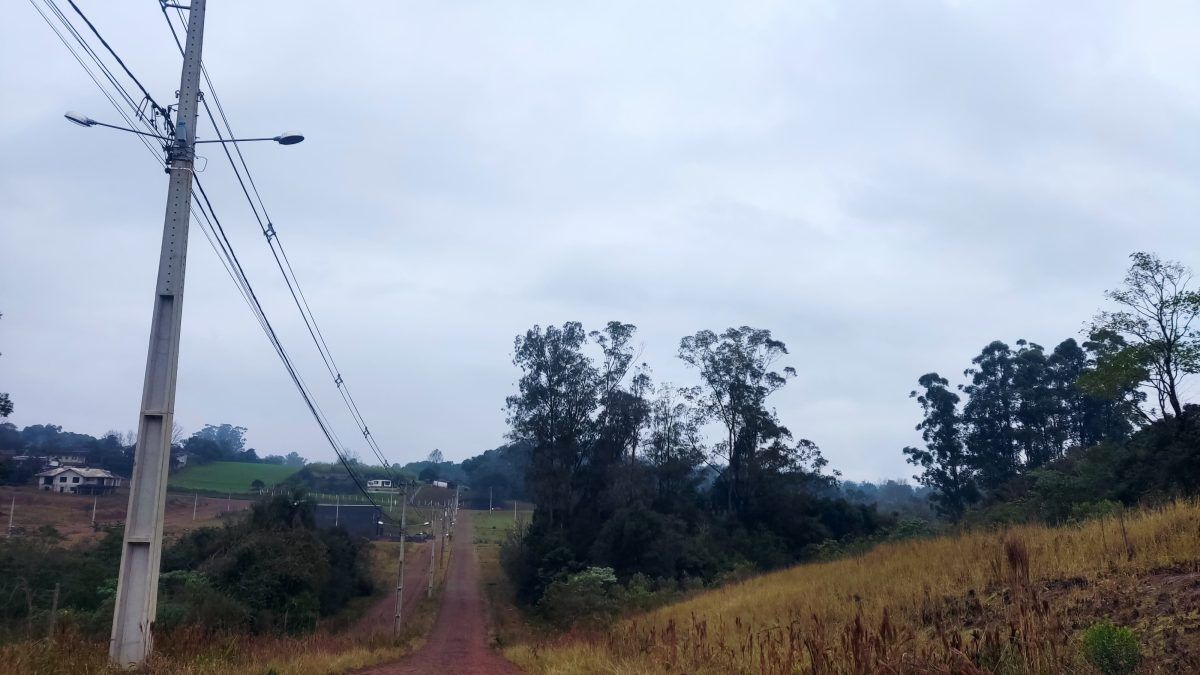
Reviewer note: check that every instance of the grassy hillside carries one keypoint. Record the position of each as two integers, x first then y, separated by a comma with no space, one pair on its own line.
230,476
1013,601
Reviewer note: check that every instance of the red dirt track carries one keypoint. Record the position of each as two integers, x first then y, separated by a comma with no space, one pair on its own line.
458,644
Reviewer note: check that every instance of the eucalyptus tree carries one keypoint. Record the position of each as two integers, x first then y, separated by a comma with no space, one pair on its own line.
6,404
553,410
1155,315
738,375
990,415
674,446
946,468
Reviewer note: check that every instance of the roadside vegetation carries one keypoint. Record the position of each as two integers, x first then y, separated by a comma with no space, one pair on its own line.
1018,600
1054,529
268,591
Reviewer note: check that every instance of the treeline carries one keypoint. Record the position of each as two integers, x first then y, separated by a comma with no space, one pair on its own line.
1051,433
112,451
498,472
227,443
270,572
624,477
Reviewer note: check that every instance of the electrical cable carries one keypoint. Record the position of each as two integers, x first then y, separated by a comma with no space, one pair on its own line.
209,223
278,252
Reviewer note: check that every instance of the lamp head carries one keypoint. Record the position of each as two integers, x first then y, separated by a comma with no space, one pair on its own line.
79,118
289,138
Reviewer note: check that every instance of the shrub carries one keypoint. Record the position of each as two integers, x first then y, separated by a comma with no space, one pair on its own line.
587,597
1100,509
1111,649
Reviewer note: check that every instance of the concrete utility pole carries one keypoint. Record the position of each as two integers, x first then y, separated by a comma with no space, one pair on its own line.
95,500
400,571
432,554
137,582
445,539
11,510
195,505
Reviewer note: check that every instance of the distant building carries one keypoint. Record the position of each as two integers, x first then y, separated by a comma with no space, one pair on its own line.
379,484
77,480
71,458
440,483
358,520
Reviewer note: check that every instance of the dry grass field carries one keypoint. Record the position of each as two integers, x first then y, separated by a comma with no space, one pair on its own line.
71,515
1012,601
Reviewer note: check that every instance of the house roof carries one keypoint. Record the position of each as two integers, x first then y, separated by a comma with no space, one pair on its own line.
82,471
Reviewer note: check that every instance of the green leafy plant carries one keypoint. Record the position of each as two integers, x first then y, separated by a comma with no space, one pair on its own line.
1111,649
587,597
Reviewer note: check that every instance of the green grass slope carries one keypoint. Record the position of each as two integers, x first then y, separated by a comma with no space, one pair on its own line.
230,476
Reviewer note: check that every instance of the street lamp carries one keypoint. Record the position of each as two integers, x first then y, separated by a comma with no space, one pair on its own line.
286,138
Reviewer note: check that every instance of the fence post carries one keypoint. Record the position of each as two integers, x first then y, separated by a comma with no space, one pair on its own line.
53,612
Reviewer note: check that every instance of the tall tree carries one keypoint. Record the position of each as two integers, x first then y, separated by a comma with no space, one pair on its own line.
1104,400
737,370
990,415
558,395
1155,316
229,438
675,446
945,466
6,404
1040,431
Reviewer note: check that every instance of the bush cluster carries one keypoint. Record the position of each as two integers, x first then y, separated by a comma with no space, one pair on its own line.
271,572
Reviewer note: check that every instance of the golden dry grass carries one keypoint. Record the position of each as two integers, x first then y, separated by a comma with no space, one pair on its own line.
1009,601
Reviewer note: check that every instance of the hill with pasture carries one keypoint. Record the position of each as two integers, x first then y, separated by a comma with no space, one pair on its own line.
235,477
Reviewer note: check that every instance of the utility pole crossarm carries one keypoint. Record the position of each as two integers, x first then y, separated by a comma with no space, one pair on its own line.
137,582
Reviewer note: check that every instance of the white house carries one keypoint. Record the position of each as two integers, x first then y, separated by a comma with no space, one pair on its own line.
77,480
377,484
72,458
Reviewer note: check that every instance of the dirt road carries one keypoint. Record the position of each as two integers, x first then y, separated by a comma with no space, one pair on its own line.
458,643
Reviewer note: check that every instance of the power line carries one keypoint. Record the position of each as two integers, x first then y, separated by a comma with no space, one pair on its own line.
273,337
277,250
207,218
161,110
100,65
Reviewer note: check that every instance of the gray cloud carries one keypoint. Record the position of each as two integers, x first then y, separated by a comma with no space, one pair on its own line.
886,187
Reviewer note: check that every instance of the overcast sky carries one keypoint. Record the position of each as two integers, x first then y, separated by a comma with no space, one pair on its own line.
886,186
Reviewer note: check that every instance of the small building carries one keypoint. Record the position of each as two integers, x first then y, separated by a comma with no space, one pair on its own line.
379,484
358,520
440,483
77,480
